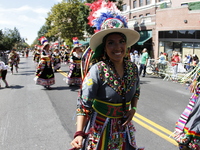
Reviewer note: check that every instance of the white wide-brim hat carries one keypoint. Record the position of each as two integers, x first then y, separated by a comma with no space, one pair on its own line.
76,46
45,44
132,36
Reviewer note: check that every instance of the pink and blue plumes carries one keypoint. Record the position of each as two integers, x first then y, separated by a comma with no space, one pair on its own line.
100,11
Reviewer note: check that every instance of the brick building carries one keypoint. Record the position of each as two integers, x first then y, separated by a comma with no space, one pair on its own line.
165,25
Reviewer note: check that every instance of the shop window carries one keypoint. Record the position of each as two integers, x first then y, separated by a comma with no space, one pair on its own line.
184,4
181,34
134,4
148,2
141,3
161,34
189,34
197,45
141,16
187,45
124,7
171,34
161,44
197,34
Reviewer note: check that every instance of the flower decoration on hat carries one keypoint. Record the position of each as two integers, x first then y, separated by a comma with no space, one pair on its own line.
43,40
106,15
75,40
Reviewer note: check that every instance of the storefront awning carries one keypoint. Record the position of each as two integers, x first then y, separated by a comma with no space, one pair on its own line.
84,42
144,36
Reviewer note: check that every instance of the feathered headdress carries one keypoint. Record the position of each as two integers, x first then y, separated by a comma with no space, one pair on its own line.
43,40
75,40
101,11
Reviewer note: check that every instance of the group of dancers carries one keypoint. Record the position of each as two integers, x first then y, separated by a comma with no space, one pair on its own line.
49,61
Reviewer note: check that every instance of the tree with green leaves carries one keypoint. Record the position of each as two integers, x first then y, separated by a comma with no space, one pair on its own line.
68,19
9,38
65,21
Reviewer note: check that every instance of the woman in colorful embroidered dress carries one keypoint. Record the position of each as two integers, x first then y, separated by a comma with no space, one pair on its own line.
74,75
110,92
36,56
13,60
187,132
44,72
56,59
66,55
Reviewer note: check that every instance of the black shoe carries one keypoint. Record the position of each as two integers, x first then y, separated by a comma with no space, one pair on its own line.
143,76
184,148
49,88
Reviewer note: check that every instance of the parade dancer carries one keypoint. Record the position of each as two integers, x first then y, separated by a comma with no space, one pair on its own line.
13,60
37,56
44,71
110,90
74,75
187,133
66,55
56,57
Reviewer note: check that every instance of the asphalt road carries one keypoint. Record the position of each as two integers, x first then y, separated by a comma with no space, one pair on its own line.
33,118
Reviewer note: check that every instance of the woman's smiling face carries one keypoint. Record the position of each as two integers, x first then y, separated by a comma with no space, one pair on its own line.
115,47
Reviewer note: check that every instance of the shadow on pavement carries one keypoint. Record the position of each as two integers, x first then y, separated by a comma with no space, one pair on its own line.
144,82
16,87
24,67
26,74
72,88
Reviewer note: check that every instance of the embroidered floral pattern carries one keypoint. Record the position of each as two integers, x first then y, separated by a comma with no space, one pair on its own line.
107,74
81,110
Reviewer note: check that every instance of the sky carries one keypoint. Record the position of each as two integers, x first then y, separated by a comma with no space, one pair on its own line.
28,16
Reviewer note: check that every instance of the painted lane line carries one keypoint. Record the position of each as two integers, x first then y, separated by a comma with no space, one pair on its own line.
155,131
153,124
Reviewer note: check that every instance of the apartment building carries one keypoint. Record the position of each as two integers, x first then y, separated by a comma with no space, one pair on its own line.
165,25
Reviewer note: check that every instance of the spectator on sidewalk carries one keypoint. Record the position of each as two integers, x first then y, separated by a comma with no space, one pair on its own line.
137,57
174,62
143,62
185,61
162,61
132,57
